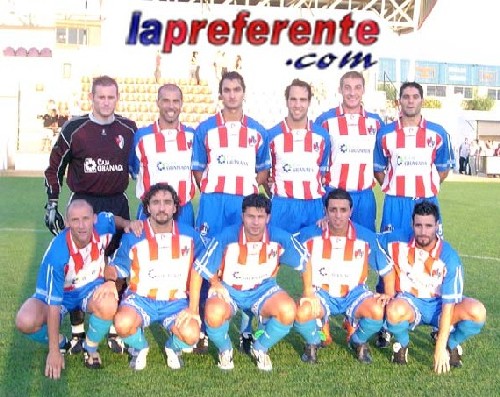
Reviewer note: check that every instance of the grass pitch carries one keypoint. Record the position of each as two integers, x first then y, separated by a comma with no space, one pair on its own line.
471,224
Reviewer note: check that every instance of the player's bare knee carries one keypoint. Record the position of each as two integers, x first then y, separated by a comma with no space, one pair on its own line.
24,323
395,311
303,313
478,312
287,312
190,334
124,325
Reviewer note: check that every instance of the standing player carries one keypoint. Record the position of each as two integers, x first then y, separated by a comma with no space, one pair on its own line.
429,286
300,152
230,160
241,264
340,257
95,148
159,264
71,277
353,131
412,158
162,153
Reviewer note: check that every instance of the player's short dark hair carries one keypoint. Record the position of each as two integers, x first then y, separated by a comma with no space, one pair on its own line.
104,81
256,200
413,84
338,194
426,207
157,188
169,87
232,76
353,74
299,83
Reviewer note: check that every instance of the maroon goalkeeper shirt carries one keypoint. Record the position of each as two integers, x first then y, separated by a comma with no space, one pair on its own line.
96,156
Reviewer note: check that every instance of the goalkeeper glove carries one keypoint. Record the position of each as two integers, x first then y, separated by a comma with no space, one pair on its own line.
53,219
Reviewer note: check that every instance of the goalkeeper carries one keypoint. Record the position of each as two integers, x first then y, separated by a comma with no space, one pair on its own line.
94,148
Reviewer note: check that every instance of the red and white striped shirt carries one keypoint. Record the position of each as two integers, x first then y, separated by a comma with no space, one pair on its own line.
230,154
299,159
164,156
412,154
353,140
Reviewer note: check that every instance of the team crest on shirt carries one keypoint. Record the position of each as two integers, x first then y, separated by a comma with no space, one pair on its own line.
189,144
184,251
252,141
439,273
204,229
431,142
120,141
358,253
272,254
371,130
316,147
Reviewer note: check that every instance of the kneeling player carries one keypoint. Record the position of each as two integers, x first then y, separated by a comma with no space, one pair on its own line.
340,257
70,277
241,264
158,263
429,286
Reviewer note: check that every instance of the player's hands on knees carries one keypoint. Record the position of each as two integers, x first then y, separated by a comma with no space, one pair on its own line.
441,361
54,364
135,226
382,299
314,302
185,316
217,289
105,290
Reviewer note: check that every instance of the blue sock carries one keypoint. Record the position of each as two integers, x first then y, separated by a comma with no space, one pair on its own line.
274,331
176,344
463,331
220,336
98,328
137,340
400,332
40,336
309,331
367,327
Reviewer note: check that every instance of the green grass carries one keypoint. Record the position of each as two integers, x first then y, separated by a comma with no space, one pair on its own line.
471,224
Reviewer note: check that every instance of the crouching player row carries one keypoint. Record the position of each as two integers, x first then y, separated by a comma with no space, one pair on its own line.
70,277
157,257
422,276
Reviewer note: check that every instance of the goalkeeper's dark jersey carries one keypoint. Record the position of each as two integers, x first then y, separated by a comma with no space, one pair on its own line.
96,156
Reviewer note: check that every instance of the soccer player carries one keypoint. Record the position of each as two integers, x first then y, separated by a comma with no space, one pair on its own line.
159,264
71,277
429,286
162,153
300,152
230,160
95,148
353,131
241,264
340,257
412,158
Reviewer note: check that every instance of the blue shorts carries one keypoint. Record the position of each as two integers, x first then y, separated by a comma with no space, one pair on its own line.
216,211
294,214
427,311
155,311
252,300
185,215
76,299
346,305
398,211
